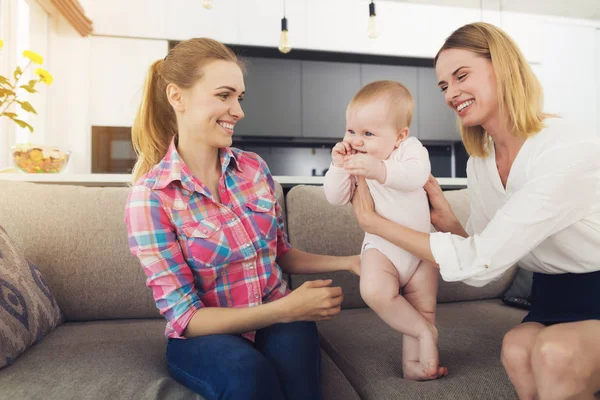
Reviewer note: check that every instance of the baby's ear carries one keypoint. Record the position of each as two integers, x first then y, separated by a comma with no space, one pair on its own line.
402,135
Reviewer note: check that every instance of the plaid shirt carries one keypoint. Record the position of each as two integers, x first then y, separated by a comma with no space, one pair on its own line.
197,252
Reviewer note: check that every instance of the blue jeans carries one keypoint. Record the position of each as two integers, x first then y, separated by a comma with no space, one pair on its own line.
282,363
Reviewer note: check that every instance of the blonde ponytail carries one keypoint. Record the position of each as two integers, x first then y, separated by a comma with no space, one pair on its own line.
154,125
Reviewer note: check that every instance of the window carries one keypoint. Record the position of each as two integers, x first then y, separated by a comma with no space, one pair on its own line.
23,26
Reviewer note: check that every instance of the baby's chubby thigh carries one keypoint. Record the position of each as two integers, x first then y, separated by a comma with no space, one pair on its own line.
384,271
404,263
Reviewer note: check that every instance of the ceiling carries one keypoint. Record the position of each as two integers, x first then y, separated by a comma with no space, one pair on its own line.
586,9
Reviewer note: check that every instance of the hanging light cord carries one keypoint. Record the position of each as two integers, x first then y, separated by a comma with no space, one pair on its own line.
480,10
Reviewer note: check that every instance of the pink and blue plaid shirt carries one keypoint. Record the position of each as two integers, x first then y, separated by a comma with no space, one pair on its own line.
199,252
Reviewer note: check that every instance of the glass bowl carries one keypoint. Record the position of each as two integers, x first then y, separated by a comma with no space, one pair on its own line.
33,158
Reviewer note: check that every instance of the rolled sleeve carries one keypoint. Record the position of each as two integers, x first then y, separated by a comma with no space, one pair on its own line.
447,248
153,241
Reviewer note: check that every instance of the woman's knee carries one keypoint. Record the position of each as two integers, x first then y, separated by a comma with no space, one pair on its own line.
229,368
557,352
253,377
560,363
516,350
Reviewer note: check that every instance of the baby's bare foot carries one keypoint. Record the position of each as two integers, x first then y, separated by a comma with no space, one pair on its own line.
414,371
428,354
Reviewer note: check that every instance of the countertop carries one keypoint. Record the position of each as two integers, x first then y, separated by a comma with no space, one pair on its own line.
124,179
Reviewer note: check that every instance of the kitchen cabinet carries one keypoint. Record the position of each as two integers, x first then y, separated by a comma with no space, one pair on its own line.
273,101
436,120
327,88
405,75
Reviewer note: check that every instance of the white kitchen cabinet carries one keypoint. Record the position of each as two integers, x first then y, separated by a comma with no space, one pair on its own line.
527,32
570,73
131,18
186,19
118,69
260,22
335,25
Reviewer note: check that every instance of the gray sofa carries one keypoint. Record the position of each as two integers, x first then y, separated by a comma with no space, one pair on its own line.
111,345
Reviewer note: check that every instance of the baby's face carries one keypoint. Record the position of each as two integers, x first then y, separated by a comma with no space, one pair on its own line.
374,125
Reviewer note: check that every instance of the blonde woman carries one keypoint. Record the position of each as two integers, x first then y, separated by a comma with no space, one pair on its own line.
534,183
204,221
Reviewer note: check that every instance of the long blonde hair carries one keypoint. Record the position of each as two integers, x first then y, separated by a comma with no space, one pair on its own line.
155,124
520,94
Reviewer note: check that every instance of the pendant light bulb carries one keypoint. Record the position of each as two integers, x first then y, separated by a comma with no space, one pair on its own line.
284,39
372,27
208,4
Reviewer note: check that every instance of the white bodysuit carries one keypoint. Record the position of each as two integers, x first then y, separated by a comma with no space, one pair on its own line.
400,199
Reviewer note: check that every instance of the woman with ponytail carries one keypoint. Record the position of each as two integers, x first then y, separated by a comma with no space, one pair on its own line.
204,221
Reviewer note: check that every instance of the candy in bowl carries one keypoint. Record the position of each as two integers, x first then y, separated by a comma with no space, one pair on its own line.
32,158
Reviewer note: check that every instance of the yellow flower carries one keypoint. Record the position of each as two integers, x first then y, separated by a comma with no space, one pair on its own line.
1,43
34,57
44,75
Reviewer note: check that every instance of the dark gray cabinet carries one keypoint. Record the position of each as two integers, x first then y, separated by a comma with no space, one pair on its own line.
436,120
273,102
294,98
405,75
327,88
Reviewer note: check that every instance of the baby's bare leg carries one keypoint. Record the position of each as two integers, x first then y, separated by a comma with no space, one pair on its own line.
380,289
420,357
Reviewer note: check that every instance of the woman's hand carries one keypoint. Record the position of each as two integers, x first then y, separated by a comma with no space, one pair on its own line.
313,301
364,206
442,216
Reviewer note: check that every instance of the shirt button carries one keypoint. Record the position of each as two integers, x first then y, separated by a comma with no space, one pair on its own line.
486,266
222,190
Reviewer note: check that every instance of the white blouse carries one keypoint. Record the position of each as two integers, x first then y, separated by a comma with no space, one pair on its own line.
547,218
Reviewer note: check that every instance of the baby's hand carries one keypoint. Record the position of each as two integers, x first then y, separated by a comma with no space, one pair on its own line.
365,165
339,151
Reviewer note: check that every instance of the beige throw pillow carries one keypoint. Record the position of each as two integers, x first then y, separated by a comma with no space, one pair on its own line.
28,311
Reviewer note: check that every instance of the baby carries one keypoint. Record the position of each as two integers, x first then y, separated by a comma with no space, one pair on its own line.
398,286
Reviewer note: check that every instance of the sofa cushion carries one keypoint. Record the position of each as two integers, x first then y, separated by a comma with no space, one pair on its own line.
316,226
369,353
28,311
122,359
79,241
521,286
80,244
